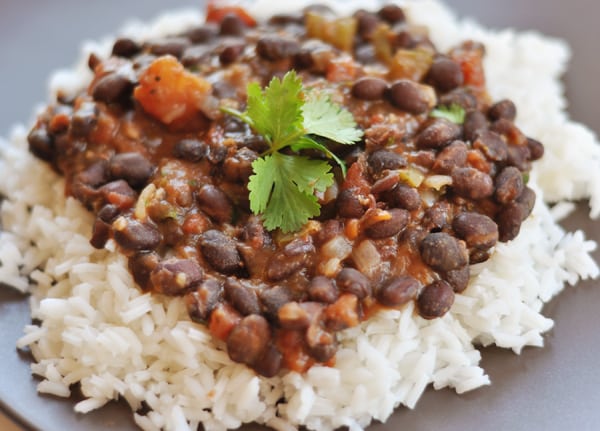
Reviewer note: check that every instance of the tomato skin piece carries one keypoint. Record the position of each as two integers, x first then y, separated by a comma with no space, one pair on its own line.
216,11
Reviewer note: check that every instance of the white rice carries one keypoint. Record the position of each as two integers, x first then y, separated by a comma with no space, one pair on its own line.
98,329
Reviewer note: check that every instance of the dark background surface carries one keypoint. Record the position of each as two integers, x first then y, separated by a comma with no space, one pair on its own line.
554,388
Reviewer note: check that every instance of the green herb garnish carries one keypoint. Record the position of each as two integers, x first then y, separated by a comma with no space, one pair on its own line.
454,113
283,186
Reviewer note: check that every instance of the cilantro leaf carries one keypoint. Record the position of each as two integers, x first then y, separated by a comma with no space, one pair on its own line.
323,118
307,143
454,113
277,113
282,189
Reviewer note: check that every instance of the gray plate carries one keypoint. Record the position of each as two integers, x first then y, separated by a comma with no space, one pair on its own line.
554,388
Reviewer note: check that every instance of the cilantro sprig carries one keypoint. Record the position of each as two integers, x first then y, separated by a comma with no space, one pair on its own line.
454,113
283,185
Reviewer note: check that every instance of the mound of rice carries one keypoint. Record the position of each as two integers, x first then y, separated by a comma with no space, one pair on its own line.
98,329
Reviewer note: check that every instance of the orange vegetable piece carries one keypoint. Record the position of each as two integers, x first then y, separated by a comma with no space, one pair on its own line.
222,321
170,93
216,11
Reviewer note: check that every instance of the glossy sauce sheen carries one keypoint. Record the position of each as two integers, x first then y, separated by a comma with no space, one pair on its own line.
147,149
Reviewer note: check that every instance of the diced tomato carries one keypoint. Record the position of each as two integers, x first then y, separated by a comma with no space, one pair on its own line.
478,161
216,10
171,94
471,64
195,224
222,320
341,70
292,346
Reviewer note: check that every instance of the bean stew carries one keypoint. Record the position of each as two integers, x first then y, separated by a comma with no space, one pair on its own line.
148,150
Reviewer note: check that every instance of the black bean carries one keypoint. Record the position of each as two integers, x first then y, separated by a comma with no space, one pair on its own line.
435,299
174,46
329,230
472,183
172,231
392,14
112,88
282,19
398,220
519,156
527,201
367,23
437,216
460,96
509,185
243,298
95,174
491,145
298,247
503,109
509,221
408,96
369,88
478,230
381,160
125,47
443,252
41,144
215,203
249,339
84,119
203,299
232,25
108,213
445,74
451,157
398,291
536,148
174,276
404,196
133,235
323,289
274,298
353,281
458,278
282,266
119,193
386,183
438,134
131,167
100,234
203,33
348,204
220,252
474,123
231,51
238,167
273,48
141,266
191,150
269,363
322,345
